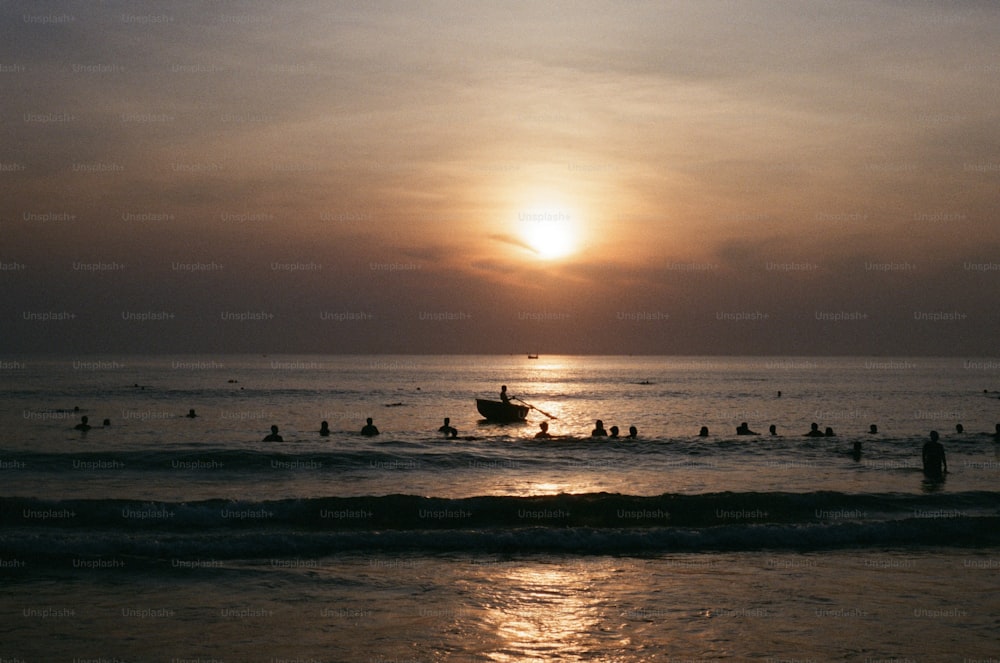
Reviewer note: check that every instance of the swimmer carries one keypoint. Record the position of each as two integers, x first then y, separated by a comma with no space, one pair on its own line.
814,430
369,429
543,434
447,428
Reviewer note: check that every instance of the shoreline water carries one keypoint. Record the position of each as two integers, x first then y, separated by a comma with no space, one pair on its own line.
201,541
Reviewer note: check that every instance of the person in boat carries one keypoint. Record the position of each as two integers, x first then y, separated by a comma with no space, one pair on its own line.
83,425
814,430
274,437
191,414
703,432
599,429
447,428
614,431
633,432
324,429
544,433
369,429
504,398
744,429
934,461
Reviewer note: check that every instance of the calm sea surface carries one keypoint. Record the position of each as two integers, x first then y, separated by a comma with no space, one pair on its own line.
164,537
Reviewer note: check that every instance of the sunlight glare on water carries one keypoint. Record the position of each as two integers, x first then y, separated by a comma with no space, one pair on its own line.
547,612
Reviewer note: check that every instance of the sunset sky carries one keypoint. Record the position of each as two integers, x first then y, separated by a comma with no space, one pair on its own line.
624,176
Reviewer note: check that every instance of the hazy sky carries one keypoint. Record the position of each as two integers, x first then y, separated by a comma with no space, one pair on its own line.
626,176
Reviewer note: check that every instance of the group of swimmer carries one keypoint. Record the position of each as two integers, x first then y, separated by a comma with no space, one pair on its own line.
599,431
934,460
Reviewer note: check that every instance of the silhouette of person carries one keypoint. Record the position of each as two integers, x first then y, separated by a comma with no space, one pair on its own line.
814,430
829,432
959,429
873,430
83,425
856,452
772,429
599,429
744,429
369,429
324,429
274,437
996,435
614,431
703,432
191,414
106,423
633,432
503,395
448,429
779,393
935,463
543,434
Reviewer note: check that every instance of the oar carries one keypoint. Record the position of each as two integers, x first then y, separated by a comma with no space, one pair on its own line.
550,416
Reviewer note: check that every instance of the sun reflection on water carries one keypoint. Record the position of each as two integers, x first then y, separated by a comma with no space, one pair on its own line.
546,612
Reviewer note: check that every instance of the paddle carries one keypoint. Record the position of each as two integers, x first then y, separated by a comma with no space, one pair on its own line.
550,416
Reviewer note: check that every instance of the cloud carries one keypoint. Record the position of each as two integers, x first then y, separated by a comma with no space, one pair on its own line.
513,241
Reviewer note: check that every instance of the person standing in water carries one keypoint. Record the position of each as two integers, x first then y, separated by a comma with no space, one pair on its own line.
274,437
935,463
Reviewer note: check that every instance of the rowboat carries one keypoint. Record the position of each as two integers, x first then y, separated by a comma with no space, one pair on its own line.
501,412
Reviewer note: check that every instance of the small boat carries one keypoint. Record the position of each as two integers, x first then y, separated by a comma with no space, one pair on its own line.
532,356
501,412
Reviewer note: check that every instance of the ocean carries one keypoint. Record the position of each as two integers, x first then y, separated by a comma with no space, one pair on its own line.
162,537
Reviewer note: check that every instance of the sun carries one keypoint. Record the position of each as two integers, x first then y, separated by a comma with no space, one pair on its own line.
548,230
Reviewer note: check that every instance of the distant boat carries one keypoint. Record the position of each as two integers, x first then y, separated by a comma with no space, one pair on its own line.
532,356
501,412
